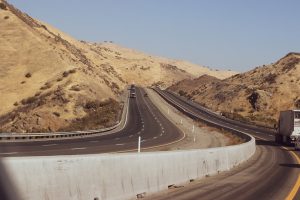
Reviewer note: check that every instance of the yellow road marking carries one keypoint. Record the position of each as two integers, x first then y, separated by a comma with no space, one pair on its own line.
296,187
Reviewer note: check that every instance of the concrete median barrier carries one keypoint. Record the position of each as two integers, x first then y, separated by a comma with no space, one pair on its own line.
117,176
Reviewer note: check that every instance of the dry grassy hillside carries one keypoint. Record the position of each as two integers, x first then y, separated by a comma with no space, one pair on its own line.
49,81
255,96
191,87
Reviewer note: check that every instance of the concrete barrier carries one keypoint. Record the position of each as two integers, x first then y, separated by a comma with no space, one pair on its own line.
117,176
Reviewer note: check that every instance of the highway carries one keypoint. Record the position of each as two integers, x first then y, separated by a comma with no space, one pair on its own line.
143,120
272,173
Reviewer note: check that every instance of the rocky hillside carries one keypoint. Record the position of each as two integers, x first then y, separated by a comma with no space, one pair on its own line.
49,81
255,96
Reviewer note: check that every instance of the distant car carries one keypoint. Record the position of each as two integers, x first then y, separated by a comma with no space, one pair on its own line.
145,95
132,95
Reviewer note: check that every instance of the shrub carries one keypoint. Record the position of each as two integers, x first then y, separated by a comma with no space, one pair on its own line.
3,6
23,82
29,100
44,27
238,109
6,17
253,98
46,86
57,114
297,103
28,75
75,88
16,104
65,74
72,71
59,79
181,93
270,78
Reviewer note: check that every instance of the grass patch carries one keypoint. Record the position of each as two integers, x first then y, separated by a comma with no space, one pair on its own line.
99,114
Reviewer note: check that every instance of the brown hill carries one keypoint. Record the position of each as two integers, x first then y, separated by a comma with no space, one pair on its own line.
255,96
49,81
191,87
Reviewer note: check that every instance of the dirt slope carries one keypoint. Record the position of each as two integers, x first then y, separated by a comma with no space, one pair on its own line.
255,96
49,81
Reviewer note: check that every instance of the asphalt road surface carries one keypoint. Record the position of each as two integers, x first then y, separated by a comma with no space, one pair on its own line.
143,120
272,173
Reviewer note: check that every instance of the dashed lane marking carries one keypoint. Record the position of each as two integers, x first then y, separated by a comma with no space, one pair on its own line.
78,148
9,153
48,145
119,144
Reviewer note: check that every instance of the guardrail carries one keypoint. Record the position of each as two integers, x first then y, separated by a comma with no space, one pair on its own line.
19,137
216,115
194,116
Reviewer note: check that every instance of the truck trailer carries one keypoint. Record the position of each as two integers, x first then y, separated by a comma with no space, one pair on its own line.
288,131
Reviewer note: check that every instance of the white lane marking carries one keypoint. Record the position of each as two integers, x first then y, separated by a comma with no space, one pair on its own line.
119,144
130,136
270,135
78,148
48,145
154,138
161,134
139,133
163,131
256,131
143,140
117,138
9,153
260,138
93,141
142,122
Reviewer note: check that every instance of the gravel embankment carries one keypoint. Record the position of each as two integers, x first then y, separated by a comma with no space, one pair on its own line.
205,137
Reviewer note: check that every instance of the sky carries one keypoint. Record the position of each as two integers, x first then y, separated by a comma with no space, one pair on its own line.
222,34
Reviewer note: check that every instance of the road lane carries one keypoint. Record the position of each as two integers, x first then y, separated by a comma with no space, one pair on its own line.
143,120
271,174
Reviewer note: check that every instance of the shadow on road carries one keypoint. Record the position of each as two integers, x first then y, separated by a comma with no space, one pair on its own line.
266,143
290,165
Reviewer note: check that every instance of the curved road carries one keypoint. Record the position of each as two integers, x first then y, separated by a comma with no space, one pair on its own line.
272,173
143,120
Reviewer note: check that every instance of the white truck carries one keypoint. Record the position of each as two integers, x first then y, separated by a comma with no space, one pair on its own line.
288,131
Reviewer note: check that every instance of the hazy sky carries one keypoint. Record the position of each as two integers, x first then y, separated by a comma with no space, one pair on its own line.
223,34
